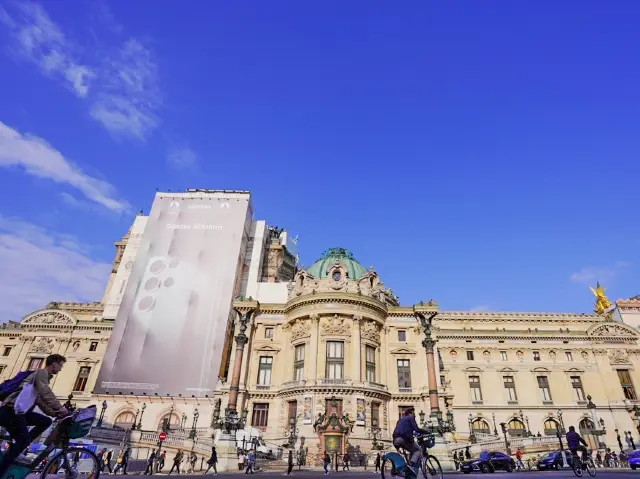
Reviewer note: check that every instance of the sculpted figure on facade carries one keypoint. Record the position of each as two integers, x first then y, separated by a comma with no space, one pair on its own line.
336,326
42,345
49,317
299,330
618,356
371,331
612,330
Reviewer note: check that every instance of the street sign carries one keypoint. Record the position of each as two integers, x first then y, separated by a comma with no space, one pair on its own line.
162,437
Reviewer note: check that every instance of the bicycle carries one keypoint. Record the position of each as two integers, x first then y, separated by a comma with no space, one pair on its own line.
74,426
579,465
397,464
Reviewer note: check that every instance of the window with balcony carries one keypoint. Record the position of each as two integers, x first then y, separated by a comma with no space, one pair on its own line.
375,414
543,385
260,415
93,346
370,363
81,380
7,350
264,371
627,385
503,356
402,336
35,363
568,355
536,355
298,363
404,374
476,391
268,333
469,355
578,390
510,386
335,360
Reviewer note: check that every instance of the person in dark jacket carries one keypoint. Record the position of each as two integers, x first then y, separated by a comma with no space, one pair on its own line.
575,443
150,462
403,437
213,461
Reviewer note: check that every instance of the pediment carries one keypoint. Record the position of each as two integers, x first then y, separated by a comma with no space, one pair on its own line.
268,349
573,370
612,329
507,370
473,369
49,317
541,370
403,351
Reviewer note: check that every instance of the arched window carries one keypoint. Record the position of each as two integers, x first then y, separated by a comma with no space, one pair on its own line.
174,421
516,428
550,427
480,426
124,420
587,427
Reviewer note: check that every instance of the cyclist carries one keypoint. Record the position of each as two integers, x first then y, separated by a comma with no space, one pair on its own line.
403,437
576,443
17,425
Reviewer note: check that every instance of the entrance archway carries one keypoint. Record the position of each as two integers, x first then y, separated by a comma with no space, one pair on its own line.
516,428
587,428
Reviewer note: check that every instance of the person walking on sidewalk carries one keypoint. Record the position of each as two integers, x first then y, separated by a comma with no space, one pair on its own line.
176,462
213,460
326,460
150,462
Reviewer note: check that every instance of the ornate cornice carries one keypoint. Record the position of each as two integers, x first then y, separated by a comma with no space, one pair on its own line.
341,298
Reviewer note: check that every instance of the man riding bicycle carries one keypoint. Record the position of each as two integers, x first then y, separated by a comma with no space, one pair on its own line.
403,437
576,443
17,425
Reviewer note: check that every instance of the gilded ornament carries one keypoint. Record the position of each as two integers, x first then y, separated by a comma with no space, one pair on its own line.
602,304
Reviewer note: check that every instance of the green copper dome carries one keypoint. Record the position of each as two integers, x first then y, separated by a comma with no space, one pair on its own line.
320,268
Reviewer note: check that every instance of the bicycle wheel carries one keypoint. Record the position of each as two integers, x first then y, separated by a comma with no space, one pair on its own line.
430,467
387,470
88,464
591,468
577,467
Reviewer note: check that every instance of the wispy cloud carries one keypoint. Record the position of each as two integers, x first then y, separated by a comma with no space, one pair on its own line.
591,274
40,266
40,159
120,84
183,158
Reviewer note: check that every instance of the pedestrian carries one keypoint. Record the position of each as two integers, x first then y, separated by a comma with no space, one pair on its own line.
212,462
241,461
119,462
160,461
193,460
150,461
377,462
176,461
326,460
107,461
290,463
345,462
100,457
251,460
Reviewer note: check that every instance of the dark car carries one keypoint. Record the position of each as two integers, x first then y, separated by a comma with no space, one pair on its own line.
489,462
553,461
634,460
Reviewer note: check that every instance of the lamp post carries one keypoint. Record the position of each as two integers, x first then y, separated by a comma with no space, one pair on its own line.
292,432
560,429
619,441
495,429
472,436
375,432
196,415
102,411
594,417
142,408
526,420
506,441
183,420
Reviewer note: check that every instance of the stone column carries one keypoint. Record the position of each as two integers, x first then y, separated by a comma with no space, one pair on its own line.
356,369
429,345
245,312
315,339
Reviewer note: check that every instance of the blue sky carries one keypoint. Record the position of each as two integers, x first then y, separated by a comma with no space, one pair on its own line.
484,154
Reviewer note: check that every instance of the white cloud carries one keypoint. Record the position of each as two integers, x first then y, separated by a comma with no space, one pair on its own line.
480,309
120,83
43,161
182,158
39,40
590,275
40,266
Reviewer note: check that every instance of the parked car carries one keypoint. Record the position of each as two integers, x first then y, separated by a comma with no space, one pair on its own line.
634,460
553,461
489,462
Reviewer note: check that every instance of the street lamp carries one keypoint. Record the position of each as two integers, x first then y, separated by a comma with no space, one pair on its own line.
102,411
142,408
560,429
422,415
472,436
506,441
375,432
196,415
495,429
183,420
292,432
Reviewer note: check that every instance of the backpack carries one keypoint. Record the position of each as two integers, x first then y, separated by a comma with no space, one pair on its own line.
12,385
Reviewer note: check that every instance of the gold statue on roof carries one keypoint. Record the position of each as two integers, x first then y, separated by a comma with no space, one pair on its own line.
602,302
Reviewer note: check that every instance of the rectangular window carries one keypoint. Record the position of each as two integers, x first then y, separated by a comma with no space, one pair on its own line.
510,386
335,360
469,355
402,336
2,368
404,374
81,380
503,356
264,371
260,415
375,414
578,391
268,333
93,346
476,391
370,358
627,385
35,363
298,364
7,351
568,355
543,385
536,355
292,413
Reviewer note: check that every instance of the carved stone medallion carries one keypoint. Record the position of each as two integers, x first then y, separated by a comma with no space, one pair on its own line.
42,345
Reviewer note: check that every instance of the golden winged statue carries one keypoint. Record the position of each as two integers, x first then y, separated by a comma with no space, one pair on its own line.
602,302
